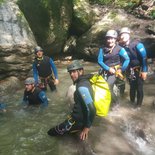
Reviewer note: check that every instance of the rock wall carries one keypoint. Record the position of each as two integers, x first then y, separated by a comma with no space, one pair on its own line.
16,42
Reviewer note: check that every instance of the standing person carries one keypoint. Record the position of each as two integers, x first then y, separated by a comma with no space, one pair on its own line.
137,71
113,60
83,112
45,70
34,96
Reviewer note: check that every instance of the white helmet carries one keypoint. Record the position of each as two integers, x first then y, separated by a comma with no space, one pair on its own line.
125,30
111,33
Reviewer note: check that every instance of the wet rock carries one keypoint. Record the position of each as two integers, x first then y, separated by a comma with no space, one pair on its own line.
16,42
9,86
140,133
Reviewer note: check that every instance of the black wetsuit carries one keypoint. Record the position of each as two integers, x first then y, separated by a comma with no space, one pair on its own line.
35,98
138,64
46,70
83,111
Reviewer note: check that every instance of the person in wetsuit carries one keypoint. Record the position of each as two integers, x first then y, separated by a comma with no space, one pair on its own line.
45,70
34,96
83,112
137,71
113,60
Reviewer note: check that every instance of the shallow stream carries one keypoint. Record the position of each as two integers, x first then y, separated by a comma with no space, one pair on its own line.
126,131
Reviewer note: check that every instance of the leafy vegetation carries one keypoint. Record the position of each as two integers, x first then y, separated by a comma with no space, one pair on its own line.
152,14
117,3
1,1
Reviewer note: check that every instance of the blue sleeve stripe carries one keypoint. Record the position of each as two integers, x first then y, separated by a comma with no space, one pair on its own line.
85,94
125,57
54,68
142,51
35,73
101,60
43,98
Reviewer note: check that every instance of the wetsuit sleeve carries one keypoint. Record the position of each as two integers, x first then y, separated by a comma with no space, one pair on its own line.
54,68
43,99
88,103
125,57
142,52
35,73
101,60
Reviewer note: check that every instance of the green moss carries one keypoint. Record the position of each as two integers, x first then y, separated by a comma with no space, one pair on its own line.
152,14
2,1
112,14
37,16
46,18
119,3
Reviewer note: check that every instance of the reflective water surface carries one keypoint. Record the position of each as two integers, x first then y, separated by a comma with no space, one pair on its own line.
126,131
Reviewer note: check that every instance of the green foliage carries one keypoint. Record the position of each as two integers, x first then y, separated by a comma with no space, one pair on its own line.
102,2
117,3
152,14
1,1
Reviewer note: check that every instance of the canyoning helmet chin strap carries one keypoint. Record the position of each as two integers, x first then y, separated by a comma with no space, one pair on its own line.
75,65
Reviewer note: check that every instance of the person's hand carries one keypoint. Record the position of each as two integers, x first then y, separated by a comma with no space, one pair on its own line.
112,70
56,82
143,75
84,134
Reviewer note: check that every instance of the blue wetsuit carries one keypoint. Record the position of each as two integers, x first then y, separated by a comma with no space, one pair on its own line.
107,58
138,63
83,111
138,56
122,54
45,69
35,98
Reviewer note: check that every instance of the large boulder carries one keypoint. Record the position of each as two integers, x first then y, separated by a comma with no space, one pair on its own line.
49,21
16,42
83,17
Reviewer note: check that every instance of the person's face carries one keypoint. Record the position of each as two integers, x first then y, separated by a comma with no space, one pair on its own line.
74,74
110,41
39,54
124,37
29,87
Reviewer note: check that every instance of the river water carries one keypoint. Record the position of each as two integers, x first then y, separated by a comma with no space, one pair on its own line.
125,131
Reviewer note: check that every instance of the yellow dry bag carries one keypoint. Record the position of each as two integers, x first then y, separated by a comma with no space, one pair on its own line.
102,95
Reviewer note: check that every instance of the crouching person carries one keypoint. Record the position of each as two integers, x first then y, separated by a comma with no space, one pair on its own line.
34,96
83,111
